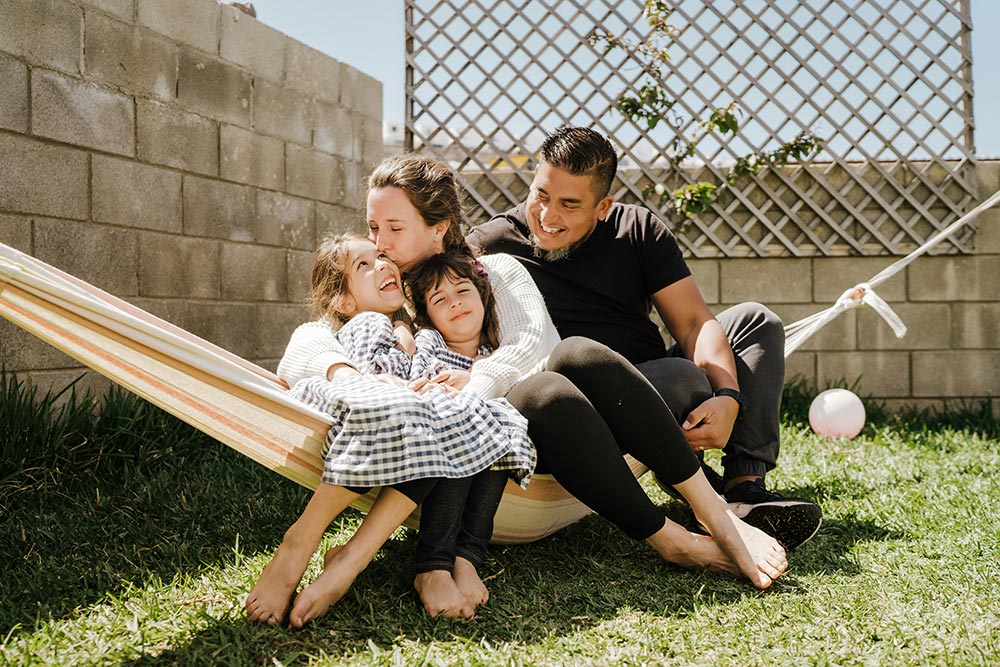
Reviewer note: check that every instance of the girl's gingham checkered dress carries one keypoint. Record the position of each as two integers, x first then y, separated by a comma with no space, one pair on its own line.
384,434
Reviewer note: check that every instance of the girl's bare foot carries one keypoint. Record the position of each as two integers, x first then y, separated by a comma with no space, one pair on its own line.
440,595
681,547
333,582
271,597
468,582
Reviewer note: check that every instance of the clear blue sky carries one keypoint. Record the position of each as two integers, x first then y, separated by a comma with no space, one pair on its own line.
369,36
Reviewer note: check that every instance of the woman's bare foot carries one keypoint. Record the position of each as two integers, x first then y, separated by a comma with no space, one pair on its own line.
440,595
339,572
681,547
759,556
468,582
271,597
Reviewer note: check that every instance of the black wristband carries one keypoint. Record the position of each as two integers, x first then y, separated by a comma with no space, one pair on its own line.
742,399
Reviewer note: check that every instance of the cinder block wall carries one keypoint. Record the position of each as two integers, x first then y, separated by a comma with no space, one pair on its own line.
181,155
950,304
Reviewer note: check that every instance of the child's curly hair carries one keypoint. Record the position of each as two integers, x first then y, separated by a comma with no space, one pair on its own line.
453,266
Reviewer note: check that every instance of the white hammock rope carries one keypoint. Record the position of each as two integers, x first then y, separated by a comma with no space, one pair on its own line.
797,333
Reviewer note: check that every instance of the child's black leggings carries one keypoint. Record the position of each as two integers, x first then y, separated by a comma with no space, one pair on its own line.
584,411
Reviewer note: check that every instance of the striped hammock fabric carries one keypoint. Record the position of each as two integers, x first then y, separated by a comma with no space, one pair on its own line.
234,401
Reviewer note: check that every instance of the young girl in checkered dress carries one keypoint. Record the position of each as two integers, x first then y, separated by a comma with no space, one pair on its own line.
383,434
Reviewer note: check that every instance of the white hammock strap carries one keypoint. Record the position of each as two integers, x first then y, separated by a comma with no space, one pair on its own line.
796,333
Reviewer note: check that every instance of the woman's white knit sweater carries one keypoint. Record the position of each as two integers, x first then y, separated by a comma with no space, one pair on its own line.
527,336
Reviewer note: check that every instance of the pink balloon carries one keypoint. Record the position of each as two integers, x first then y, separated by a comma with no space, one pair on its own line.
837,413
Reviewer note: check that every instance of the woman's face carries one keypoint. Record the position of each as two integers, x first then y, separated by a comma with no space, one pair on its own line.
398,229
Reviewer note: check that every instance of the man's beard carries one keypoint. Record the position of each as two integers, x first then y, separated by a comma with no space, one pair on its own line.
558,254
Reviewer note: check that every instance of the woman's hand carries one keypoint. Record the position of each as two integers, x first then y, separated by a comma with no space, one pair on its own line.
453,378
709,425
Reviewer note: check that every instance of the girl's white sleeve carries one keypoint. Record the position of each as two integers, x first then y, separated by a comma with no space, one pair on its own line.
312,350
527,335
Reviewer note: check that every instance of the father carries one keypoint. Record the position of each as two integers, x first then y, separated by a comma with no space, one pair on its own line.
601,264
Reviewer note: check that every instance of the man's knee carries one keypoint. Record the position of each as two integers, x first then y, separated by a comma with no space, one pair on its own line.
755,320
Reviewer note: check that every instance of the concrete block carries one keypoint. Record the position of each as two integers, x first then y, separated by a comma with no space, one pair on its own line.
120,9
882,374
312,71
975,325
332,219
13,94
987,178
176,138
41,178
928,327
833,275
839,334
130,58
22,351
248,157
355,184
299,276
957,374
171,311
335,131
219,210
133,194
706,276
103,256
987,238
194,22
285,221
253,273
951,278
246,41
15,231
275,324
214,88
232,327
43,32
801,366
360,92
313,174
82,114
766,280
175,266
282,112
85,383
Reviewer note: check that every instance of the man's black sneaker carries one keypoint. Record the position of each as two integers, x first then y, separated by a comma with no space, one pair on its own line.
791,521
714,478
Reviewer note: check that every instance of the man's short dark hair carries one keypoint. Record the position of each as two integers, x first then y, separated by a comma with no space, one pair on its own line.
582,152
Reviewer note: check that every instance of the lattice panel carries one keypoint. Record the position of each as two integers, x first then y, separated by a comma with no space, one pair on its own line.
885,83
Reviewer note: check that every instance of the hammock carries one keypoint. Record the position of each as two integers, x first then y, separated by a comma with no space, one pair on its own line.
234,401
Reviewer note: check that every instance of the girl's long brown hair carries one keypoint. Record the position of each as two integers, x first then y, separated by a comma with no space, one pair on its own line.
453,266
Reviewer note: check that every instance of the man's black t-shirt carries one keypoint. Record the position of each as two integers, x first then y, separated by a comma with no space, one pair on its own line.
602,290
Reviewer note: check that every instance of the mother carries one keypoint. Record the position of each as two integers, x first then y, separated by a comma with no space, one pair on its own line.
588,404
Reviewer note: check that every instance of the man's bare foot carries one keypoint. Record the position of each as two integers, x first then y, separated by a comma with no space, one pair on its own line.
271,597
440,595
681,547
333,582
759,556
468,582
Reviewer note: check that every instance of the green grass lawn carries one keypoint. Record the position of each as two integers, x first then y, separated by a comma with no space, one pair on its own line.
129,538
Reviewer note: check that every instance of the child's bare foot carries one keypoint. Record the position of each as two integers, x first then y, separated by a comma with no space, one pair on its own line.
440,595
333,582
271,597
468,582
759,556
681,547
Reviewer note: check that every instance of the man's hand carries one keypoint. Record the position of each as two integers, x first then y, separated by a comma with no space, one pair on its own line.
709,425
453,378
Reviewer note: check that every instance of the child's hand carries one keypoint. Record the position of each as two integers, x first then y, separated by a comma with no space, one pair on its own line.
453,378
405,336
388,379
423,385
